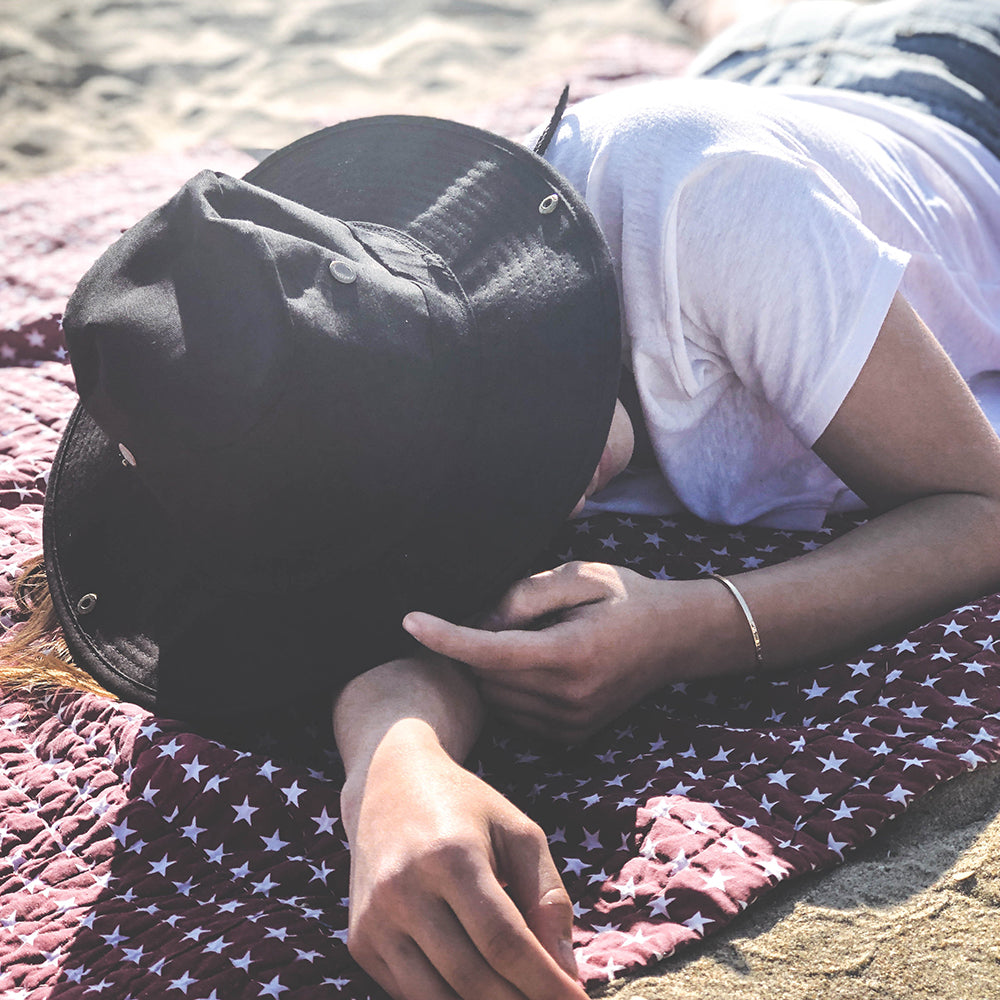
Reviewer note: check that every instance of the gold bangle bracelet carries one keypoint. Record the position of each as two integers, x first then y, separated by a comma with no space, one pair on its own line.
745,608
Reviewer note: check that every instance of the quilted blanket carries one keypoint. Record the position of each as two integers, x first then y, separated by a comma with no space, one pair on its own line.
139,858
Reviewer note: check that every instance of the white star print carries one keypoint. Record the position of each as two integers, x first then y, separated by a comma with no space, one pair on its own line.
292,793
898,794
161,866
680,789
267,770
815,691
274,842
658,905
601,876
716,880
837,846
627,890
245,811
192,830
773,867
698,923
192,770
182,983
114,938
265,885
844,811
168,749
121,831
324,822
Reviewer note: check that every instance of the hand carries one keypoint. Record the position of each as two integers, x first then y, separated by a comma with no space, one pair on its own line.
570,649
432,847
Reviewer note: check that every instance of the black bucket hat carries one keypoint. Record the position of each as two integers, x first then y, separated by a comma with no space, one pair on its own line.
371,377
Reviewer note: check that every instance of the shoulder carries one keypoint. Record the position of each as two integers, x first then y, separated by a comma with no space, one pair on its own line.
650,141
696,114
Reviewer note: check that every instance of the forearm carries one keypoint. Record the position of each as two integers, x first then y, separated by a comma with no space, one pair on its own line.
450,883
897,570
423,702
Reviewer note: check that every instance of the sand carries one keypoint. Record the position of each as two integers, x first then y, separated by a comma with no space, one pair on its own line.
915,914
85,81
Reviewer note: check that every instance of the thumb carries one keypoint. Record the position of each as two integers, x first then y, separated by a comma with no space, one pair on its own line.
539,894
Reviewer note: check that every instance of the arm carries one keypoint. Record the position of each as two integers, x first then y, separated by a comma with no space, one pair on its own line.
909,439
432,847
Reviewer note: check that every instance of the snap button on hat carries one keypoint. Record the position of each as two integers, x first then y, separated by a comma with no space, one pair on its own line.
548,205
86,604
343,271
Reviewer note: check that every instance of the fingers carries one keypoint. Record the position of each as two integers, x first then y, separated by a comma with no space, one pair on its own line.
546,593
451,951
435,958
538,892
551,921
405,973
552,722
498,926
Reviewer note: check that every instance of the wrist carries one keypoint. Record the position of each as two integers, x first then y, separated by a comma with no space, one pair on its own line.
403,748
716,637
731,639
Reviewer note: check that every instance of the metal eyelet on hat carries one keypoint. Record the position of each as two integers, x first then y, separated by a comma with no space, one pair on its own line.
86,604
128,459
548,205
344,271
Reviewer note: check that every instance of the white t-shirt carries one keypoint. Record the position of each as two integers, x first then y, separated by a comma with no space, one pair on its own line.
760,235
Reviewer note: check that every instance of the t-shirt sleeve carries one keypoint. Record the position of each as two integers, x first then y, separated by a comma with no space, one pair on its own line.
778,279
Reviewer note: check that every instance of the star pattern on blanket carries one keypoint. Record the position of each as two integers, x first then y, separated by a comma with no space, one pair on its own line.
138,858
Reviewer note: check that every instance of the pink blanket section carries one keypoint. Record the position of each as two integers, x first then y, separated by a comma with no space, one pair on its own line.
136,856
139,858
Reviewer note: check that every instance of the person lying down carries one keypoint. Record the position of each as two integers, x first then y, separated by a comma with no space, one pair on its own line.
760,293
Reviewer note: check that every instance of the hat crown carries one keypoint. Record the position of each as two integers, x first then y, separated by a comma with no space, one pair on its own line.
218,344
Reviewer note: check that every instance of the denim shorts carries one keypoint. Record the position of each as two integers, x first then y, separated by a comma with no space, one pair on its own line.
937,56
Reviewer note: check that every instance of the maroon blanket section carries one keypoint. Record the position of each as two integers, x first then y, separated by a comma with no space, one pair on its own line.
138,858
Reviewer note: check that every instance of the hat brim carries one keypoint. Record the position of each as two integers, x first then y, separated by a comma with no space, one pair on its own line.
182,642
168,632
